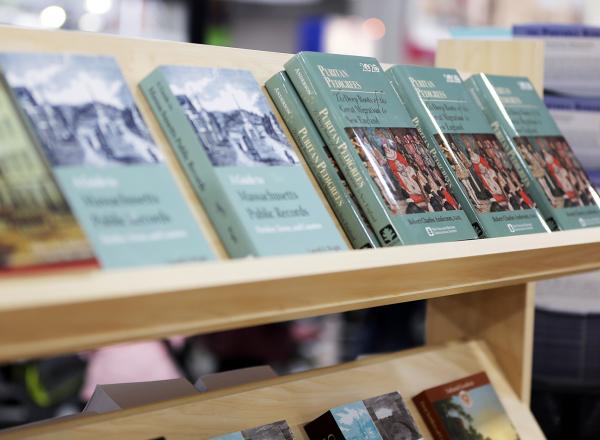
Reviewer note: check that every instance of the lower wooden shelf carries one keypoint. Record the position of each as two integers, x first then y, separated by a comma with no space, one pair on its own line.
297,398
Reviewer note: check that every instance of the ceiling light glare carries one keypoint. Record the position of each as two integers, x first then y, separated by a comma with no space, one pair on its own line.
98,6
53,17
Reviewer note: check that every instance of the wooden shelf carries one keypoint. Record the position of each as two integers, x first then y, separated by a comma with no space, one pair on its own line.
297,398
69,311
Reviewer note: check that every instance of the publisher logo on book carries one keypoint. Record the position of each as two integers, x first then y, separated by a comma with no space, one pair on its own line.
388,234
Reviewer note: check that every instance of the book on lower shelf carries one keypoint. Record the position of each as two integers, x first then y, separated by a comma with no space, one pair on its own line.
552,173
458,134
320,161
468,408
37,227
239,162
384,417
382,156
273,431
112,174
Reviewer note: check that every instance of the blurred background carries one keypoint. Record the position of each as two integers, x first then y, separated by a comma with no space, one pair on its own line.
392,30
565,400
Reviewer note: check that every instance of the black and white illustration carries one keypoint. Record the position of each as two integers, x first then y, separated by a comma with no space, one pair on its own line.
81,109
273,431
231,116
392,418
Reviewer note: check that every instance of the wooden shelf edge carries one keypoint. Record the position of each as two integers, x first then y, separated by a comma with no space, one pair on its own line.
159,302
297,398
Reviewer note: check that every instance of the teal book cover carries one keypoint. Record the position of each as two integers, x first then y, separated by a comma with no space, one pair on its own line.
553,174
378,149
239,161
111,172
320,161
481,173
273,431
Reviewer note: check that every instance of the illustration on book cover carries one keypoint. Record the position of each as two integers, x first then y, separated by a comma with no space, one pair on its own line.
231,116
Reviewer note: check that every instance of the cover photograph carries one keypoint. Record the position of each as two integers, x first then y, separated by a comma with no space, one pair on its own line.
321,162
383,157
239,162
382,417
273,431
483,178
112,174
37,227
466,409
553,175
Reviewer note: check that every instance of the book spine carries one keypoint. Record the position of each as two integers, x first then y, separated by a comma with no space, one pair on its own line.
427,128
320,163
207,186
430,417
343,151
324,428
486,100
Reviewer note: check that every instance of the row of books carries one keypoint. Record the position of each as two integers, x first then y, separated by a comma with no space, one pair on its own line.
468,408
411,155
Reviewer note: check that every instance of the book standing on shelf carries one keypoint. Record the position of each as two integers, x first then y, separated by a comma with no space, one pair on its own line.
99,148
552,173
379,151
467,408
482,176
37,227
320,161
382,417
239,162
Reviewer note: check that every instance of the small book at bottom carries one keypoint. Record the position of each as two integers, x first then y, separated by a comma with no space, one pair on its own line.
273,431
466,408
382,417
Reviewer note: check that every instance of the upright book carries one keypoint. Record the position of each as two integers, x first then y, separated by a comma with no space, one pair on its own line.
83,117
272,431
482,176
37,227
382,417
551,172
468,408
319,159
239,162
384,159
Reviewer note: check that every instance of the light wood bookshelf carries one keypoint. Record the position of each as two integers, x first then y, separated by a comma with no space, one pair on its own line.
297,398
480,292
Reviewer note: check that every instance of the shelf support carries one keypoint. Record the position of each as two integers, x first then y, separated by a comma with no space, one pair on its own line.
501,317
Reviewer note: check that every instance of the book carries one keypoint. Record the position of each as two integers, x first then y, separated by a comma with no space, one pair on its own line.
273,431
552,173
110,171
579,121
379,151
239,162
37,227
320,161
467,408
382,417
482,176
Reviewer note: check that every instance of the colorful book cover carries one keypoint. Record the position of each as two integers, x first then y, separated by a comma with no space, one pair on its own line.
239,161
101,153
382,417
320,161
37,227
384,159
273,431
552,173
482,176
467,409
